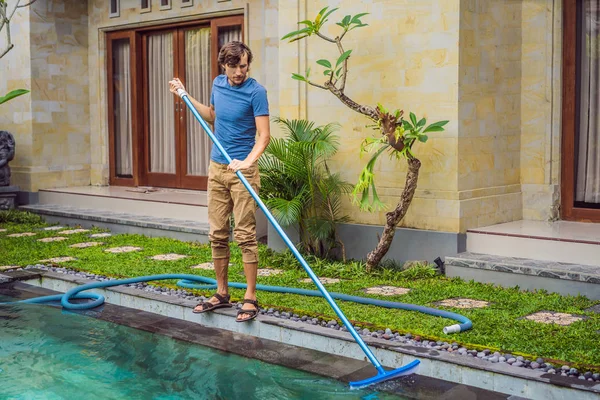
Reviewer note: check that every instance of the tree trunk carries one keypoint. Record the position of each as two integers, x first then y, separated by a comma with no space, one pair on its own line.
393,218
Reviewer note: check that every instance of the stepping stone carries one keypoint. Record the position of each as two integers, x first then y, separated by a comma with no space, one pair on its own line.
100,235
207,266
594,309
86,244
21,234
74,231
58,259
3,230
54,228
386,290
168,257
124,249
462,303
52,239
7,267
551,317
268,271
324,281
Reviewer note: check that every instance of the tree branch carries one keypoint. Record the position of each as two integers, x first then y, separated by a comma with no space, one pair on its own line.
338,41
319,34
5,22
366,110
9,48
317,85
20,6
3,19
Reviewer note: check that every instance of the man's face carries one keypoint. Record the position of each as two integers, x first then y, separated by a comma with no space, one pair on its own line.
236,74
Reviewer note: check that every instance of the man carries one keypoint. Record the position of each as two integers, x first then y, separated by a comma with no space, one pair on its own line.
239,109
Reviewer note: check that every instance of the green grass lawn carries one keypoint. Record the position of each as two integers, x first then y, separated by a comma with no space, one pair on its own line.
497,327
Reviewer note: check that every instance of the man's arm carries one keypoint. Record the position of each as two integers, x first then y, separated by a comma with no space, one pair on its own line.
207,113
264,137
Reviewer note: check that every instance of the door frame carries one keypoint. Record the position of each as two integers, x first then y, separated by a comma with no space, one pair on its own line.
139,101
135,117
569,120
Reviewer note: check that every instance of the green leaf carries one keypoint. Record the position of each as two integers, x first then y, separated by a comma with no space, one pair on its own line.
307,22
327,72
423,138
343,57
381,108
436,127
433,129
346,20
13,94
298,77
358,26
357,17
298,32
324,63
407,125
307,72
327,14
421,122
338,72
413,119
298,38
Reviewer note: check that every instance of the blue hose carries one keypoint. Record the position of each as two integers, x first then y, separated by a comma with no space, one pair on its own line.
189,281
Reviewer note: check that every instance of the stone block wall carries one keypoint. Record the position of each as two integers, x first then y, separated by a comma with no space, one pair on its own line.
489,112
406,58
490,67
53,133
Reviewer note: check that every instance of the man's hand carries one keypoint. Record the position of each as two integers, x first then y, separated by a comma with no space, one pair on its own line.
237,165
174,85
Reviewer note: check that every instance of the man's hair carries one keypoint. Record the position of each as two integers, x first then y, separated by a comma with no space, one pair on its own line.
232,52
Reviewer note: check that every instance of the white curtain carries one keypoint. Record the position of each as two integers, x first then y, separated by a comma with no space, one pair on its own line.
198,83
160,108
228,34
588,164
122,108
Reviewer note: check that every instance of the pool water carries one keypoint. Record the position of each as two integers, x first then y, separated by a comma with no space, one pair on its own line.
46,353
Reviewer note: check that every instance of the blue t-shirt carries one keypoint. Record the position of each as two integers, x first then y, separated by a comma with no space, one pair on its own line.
235,110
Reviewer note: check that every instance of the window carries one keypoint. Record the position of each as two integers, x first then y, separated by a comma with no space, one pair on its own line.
145,6
187,3
165,4
115,8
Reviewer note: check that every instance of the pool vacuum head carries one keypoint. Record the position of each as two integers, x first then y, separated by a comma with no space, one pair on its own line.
382,376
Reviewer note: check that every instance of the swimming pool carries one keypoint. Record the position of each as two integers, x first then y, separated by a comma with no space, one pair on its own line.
47,353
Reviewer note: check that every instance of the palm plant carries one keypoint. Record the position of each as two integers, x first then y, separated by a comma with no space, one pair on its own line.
298,187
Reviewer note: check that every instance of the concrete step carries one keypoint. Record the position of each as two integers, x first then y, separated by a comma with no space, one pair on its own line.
560,277
135,205
568,242
119,222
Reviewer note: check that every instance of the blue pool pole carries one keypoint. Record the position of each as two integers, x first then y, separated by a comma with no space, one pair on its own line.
381,373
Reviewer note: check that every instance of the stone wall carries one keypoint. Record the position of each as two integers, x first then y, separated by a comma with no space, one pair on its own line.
412,64
490,67
16,116
55,151
490,112
541,97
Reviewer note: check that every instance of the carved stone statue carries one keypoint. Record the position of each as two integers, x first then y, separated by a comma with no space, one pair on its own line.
7,153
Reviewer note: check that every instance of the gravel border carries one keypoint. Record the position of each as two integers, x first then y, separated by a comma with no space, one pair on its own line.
487,355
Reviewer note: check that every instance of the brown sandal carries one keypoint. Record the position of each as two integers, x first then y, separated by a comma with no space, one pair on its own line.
208,306
253,313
